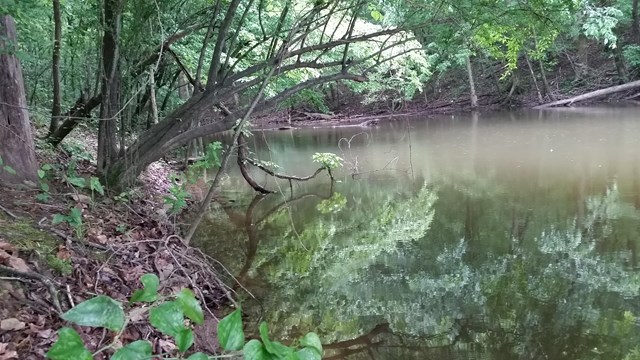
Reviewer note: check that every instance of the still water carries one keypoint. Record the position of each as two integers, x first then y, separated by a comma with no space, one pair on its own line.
508,235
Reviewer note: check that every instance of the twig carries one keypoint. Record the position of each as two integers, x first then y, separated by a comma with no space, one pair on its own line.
35,276
12,215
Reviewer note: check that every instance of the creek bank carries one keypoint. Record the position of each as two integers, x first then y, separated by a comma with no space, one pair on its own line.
46,269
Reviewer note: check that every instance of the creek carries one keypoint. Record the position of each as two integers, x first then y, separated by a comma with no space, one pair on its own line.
506,235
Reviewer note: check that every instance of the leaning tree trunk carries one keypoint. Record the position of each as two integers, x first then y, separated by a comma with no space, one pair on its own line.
16,141
110,106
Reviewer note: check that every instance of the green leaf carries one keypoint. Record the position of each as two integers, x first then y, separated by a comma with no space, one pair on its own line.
184,340
9,169
149,292
69,346
58,218
198,356
168,318
75,217
41,174
273,347
254,350
190,306
137,350
46,167
312,340
77,181
44,187
309,353
230,333
100,311
94,185
376,15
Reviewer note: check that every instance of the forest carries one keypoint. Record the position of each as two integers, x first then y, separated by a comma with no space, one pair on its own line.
120,120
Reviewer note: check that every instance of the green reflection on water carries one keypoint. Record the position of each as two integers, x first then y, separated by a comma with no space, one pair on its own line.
479,261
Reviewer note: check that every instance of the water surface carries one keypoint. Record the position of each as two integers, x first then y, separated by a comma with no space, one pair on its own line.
490,236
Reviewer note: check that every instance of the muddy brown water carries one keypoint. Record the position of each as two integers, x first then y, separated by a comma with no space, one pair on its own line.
509,235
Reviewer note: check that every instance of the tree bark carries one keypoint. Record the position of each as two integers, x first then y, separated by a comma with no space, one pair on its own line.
55,67
79,112
592,94
472,86
533,77
635,23
110,106
16,141
153,105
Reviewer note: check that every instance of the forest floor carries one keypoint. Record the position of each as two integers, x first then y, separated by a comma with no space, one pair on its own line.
47,269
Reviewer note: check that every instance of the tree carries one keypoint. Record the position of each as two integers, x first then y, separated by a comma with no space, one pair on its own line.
294,43
16,142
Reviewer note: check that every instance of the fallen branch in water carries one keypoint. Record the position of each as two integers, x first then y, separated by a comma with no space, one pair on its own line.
592,95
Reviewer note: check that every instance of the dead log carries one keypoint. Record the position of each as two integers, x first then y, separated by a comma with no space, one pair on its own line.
592,95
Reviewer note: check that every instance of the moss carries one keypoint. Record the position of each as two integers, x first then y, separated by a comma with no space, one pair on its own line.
28,238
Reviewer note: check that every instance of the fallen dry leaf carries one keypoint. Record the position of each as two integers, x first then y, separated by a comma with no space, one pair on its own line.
6,246
9,355
11,324
18,264
4,255
63,253
102,239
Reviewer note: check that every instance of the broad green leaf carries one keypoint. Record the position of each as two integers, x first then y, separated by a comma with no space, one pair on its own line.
77,181
69,346
9,169
184,340
46,167
273,347
230,333
95,185
309,353
168,318
100,311
149,291
376,15
41,174
58,218
198,356
44,187
254,350
137,350
190,306
312,340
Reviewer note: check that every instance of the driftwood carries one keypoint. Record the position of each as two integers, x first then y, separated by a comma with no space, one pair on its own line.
592,95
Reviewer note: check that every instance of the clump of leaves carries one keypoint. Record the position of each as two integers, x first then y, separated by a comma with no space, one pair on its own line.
74,219
328,161
6,168
210,161
178,195
169,315
44,174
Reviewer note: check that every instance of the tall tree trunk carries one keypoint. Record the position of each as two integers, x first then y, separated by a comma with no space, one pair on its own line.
621,67
635,23
545,82
16,142
55,67
110,106
472,86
